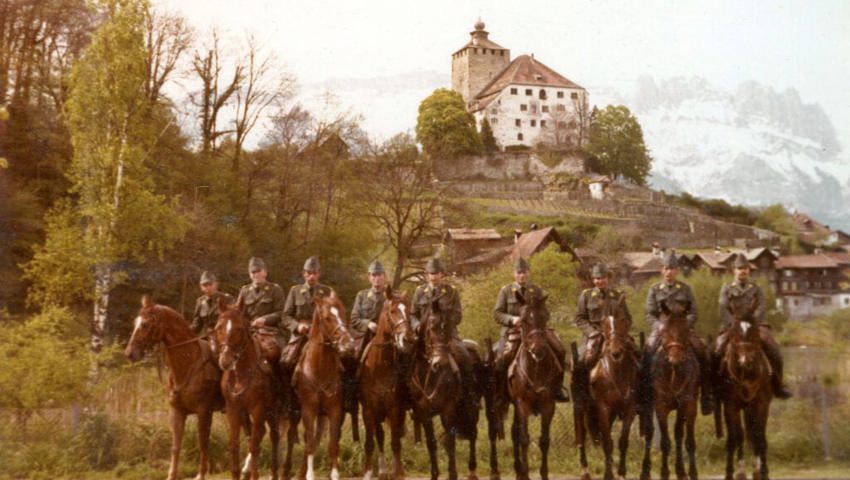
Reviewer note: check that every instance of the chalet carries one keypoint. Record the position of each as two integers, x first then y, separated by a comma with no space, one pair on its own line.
809,285
527,244
815,233
464,244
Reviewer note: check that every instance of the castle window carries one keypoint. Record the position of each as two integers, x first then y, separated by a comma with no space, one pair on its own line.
574,95
542,94
561,107
545,108
528,92
523,107
534,123
542,123
513,91
492,52
519,136
518,122
560,94
502,53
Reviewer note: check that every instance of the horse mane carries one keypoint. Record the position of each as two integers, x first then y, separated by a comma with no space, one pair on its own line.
172,318
315,329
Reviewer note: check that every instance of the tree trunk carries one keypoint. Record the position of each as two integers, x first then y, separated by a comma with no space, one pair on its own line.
102,282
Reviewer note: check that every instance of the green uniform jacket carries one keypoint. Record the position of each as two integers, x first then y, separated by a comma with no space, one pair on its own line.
263,301
206,312
447,298
746,289
508,305
367,308
678,291
299,304
590,304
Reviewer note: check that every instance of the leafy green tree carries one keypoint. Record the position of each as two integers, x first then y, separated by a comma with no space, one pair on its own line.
116,216
445,128
487,139
616,145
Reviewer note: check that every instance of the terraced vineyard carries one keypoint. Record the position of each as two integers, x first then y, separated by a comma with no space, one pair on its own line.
545,208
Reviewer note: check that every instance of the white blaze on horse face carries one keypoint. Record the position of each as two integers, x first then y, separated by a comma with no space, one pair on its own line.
403,310
229,326
611,322
335,313
745,326
136,324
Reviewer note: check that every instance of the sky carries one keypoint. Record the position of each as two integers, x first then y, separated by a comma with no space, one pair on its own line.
781,44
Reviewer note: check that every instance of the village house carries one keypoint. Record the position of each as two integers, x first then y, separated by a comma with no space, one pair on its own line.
526,102
809,285
463,245
814,233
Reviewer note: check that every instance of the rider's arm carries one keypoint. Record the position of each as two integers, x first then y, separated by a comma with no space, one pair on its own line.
273,319
723,303
288,320
358,323
197,322
500,313
582,320
651,309
691,314
761,308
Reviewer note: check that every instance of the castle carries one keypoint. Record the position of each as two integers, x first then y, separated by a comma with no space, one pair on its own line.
526,103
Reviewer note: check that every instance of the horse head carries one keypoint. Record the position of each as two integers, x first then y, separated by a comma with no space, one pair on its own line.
437,335
615,328
147,330
534,317
394,321
330,325
232,334
674,330
744,340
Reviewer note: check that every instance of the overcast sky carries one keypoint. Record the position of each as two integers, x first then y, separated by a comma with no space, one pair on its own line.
800,44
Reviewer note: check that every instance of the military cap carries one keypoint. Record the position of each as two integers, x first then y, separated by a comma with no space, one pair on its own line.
256,263
521,265
434,265
312,265
741,261
207,277
376,268
670,261
599,271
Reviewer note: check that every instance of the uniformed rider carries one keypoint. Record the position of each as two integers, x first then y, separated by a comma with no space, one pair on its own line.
262,304
298,309
205,315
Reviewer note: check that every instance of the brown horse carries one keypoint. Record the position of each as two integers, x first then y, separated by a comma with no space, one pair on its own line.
381,383
613,391
193,379
318,380
249,389
436,389
532,372
675,379
744,388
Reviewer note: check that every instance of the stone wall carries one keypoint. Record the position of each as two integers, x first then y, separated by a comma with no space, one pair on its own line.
506,166
519,190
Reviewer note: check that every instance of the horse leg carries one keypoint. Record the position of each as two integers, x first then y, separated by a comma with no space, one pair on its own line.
274,436
604,425
649,432
450,445
545,430
178,424
493,435
690,440
291,440
581,435
369,442
679,435
204,424
623,443
472,461
258,430
760,444
519,431
733,431
665,443
431,442
396,419
379,438
234,426
335,419
308,420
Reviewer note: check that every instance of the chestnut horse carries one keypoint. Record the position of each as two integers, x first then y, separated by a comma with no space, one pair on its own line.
193,379
613,391
675,380
744,387
436,389
381,386
250,388
318,380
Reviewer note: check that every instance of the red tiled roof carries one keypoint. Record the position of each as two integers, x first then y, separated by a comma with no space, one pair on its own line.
529,243
806,261
841,258
523,70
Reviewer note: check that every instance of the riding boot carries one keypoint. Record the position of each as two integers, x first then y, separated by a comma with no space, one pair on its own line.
771,351
559,392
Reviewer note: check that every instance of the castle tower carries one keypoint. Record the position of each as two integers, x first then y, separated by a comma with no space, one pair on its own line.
478,62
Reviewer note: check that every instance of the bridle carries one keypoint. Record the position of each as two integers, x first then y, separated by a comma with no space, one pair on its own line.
339,326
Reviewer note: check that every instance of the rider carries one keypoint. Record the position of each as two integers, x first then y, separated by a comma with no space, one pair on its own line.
448,300
743,287
206,306
506,314
670,288
298,310
262,302
369,302
591,301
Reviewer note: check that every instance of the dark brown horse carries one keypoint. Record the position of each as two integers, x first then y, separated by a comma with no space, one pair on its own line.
613,391
382,389
675,380
193,379
744,388
318,380
250,392
436,389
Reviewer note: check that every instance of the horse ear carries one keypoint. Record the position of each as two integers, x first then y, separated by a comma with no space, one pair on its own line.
147,300
622,300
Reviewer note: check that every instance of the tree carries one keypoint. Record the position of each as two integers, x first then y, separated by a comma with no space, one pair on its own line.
616,145
113,215
488,141
167,37
445,128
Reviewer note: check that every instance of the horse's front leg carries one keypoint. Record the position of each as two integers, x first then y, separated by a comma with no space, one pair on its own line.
369,443
178,424
234,426
579,416
734,437
274,437
604,425
679,435
661,414
308,421
258,430
396,419
431,442
623,443
520,437
649,432
204,426
690,440
450,431
335,419
545,431
757,425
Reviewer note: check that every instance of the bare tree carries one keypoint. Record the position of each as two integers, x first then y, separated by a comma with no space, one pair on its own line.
167,38
581,111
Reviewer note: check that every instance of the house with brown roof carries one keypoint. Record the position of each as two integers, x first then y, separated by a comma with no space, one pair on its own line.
469,249
810,285
526,102
815,233
527,244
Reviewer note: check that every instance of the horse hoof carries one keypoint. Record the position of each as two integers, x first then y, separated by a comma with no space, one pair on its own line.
472,476
585,476
645,476
495,476
756,475
740,476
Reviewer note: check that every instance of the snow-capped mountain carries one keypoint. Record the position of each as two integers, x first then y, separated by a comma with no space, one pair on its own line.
753,145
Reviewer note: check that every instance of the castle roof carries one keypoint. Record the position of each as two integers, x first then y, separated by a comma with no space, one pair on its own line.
523,70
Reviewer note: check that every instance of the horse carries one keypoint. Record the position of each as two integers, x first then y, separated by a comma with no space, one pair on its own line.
436,388
744,388
675,381
251,392
318,380
613,391
530,376
381,386
193,379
